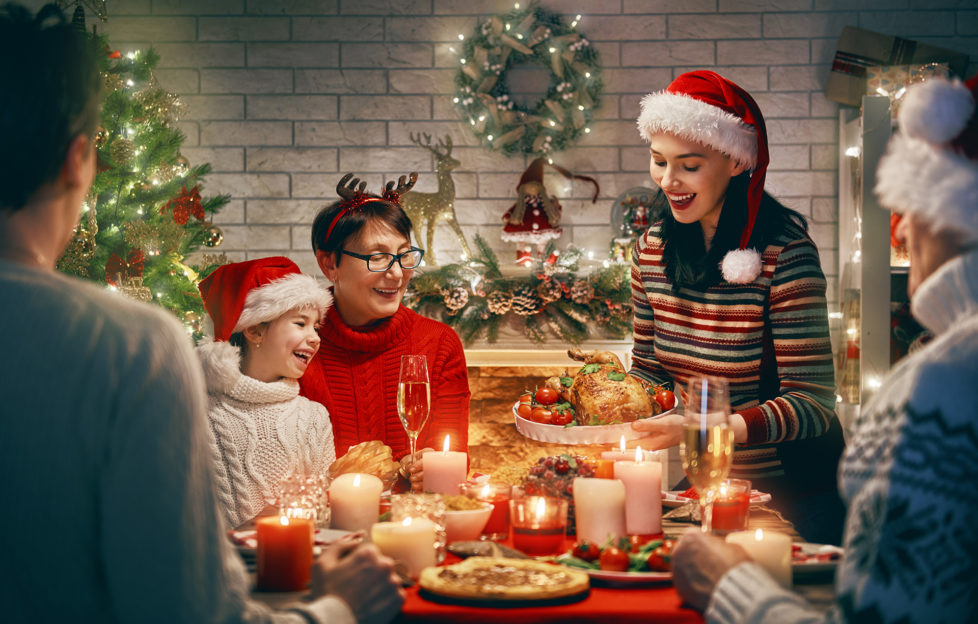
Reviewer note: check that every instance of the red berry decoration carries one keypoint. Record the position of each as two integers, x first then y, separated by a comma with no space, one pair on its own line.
561,466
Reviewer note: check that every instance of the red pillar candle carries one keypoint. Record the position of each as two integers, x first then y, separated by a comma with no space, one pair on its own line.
539,524
731,508
498,494
284,553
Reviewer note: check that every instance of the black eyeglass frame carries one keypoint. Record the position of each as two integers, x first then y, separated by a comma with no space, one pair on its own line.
394,258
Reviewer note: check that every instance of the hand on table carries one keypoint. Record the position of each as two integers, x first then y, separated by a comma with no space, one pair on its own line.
699,561
411,469
660,433
360,576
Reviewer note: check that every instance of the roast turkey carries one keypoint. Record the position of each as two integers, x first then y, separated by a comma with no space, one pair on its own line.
602,392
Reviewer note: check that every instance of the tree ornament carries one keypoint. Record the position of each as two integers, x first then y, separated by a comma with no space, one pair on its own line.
117,270
525,301
550,291
499,302
193,320
181,166
112,82
531,35
582,292
122,150
133,288
213,237
185,204
101,136
455,298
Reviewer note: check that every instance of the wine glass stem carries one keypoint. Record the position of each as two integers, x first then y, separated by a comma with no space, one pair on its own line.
706,514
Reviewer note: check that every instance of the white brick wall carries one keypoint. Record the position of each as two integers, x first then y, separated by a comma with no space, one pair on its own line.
284,96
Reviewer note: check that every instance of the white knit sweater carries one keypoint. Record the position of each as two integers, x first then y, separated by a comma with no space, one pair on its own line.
908,477
260,433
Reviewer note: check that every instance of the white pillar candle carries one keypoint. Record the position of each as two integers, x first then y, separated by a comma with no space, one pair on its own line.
354,501
599,509
621,454
643,498
772,551
410,541
444,470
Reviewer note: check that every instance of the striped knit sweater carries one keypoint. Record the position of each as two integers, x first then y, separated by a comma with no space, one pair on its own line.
720,331
355,376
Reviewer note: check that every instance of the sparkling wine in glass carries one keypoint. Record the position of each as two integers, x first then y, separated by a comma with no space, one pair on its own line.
708,441
413,397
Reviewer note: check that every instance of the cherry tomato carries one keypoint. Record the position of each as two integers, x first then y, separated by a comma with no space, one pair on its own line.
526,398
586,550
562,418
637,541
614,559
547,396
666,399
660,559
541,415
524,410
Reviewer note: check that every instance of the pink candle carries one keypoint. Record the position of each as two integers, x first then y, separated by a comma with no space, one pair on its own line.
621,454
445,470
643,502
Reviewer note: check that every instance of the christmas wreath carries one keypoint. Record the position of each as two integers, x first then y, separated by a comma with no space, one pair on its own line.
523,36
477,299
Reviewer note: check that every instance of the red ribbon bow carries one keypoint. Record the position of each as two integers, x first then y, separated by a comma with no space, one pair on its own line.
185,204
118,269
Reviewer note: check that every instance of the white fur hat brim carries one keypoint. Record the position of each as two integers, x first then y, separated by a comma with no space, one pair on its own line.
697,121
277,297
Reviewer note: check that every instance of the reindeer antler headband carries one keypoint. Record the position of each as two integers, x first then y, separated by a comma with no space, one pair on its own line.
355,197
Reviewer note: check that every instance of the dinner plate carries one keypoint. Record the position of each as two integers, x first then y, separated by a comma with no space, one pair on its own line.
809,561
247,541
612,577
673,498
579,434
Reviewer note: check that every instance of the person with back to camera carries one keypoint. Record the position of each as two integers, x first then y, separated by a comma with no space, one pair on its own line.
104,452
363,246
265,315
728,283
910,549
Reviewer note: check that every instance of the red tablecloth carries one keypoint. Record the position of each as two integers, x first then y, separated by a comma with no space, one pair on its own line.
620,605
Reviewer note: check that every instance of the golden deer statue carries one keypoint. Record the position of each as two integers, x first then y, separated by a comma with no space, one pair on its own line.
426,210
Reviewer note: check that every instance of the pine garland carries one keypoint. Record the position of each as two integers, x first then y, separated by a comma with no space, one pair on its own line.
608,310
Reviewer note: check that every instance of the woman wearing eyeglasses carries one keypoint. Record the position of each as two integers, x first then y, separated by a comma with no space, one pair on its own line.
363,246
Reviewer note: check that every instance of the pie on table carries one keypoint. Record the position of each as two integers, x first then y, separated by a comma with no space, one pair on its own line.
495,578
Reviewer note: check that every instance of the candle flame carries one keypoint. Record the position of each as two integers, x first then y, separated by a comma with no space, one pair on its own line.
758,535
356,480
639,456
541,510
445,447
723,491
621,444
284,520
485,492
407,522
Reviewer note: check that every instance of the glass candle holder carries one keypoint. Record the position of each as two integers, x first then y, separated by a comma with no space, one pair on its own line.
415,506
497,494
731,509
304,496
539,524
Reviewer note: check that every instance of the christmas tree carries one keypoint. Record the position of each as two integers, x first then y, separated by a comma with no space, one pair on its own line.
144,214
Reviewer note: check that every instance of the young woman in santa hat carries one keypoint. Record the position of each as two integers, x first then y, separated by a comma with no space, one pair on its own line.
363,246
911,553
265,314
729,284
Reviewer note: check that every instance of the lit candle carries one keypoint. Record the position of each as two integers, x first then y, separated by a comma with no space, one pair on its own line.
410,541
769,549
497,527
643,500
444,471
284,553
731,509
354,501
621,454
599,509
539,524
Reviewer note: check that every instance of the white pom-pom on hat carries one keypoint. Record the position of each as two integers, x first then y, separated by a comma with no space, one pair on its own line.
741,266
936,111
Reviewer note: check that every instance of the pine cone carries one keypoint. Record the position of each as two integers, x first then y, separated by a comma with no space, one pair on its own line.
455,298
499,302
549,291
525,301
582,292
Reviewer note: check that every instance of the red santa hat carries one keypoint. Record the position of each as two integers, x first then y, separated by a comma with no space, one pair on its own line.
931,164
243,294
706,108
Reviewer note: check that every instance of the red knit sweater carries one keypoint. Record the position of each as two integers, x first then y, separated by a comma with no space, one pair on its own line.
355,376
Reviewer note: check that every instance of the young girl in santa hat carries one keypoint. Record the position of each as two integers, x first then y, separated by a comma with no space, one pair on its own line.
265,315
729,284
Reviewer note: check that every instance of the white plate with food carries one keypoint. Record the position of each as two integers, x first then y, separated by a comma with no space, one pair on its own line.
808,558
678,498
579,434
611,577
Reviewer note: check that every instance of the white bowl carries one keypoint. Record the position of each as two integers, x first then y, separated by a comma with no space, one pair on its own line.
579,434
465,525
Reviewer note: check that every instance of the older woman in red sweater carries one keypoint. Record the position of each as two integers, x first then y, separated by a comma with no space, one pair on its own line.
363,246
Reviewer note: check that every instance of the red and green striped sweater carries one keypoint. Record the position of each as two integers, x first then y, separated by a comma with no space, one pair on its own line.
720,331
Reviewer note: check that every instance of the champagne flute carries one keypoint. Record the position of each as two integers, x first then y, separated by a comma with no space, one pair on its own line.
413,397
708,441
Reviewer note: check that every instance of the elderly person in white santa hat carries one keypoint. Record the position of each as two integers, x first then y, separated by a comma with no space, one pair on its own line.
911,551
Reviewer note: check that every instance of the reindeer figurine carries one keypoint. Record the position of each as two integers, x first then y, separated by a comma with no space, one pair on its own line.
427,209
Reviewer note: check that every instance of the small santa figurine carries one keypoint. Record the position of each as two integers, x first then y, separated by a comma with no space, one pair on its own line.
535,217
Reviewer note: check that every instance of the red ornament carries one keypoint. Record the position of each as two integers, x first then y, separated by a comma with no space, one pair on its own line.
115,54
185,204
117,269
